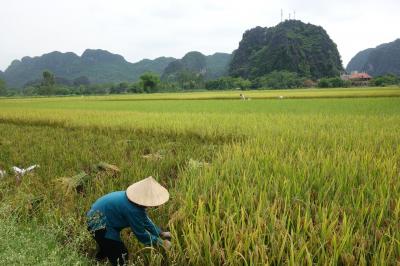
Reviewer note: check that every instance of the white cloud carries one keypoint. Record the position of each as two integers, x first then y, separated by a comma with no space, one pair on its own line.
138,29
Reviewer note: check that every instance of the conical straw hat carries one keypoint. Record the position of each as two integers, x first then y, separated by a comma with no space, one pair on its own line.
147,192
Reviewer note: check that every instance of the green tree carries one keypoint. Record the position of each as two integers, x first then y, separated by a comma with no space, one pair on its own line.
29,91
243,84
47,86
324,83
48,79
97,89
150,82
119,88
228,83
334,82
386,80
3,89
281,80
60,90
337,82
189,80
136,87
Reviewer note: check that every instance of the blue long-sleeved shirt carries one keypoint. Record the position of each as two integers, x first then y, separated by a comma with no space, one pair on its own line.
114,212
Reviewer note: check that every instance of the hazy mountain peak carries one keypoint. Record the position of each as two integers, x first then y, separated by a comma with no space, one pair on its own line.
218,54
192,53
383,59
99,55
211,66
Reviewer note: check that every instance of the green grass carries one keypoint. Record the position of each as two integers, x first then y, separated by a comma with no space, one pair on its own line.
34,245
292,181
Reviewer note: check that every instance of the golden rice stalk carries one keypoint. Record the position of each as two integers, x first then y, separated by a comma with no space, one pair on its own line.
194,164
75,182
107,167
153,156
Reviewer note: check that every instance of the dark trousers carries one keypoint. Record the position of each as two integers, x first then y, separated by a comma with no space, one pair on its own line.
115,251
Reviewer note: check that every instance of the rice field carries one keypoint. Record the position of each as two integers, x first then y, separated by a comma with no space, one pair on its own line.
310,178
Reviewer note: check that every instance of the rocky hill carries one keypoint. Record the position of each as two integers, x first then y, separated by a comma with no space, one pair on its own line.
99,66
292,46
210,67
384,59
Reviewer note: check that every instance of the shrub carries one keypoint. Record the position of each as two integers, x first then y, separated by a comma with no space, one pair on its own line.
324,83
334,82
385,80
281,80
226,83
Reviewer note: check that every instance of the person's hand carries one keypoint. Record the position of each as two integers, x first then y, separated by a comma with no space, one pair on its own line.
166,244
165,235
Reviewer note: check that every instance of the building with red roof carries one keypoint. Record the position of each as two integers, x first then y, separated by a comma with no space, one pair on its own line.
357,79
359,76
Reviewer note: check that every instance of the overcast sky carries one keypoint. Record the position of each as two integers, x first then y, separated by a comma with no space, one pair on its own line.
153,28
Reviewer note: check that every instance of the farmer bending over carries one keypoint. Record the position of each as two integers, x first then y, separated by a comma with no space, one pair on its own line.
117,210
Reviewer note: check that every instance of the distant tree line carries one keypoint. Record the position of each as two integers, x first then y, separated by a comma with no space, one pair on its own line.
184,81
380,81
51,85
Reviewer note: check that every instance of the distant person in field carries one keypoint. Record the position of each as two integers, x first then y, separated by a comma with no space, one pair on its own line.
117,210
242,97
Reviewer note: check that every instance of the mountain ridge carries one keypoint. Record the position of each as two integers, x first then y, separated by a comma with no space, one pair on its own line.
100,66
